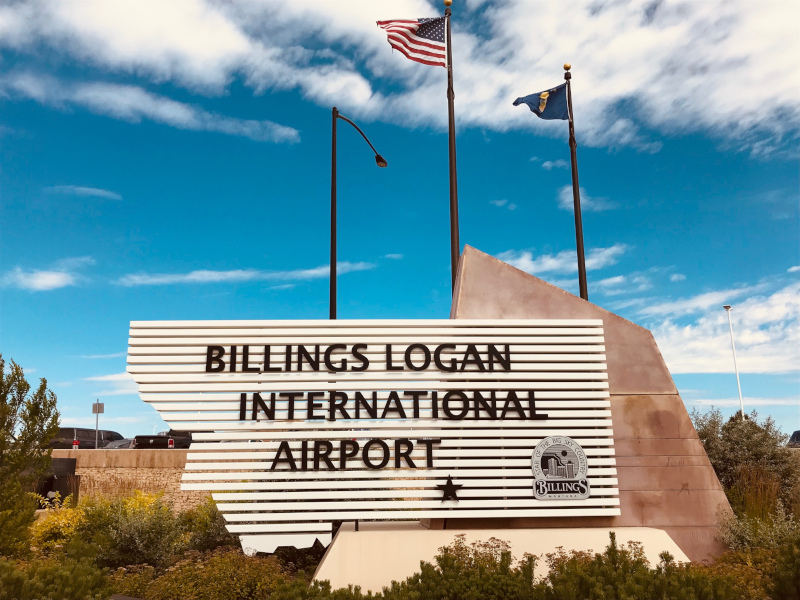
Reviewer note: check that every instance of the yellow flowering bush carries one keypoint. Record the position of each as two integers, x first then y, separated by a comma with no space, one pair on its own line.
140,501
57,527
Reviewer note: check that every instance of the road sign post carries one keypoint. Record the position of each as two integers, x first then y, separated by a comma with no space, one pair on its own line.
97,409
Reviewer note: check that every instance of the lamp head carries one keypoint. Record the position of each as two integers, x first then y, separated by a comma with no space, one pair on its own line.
727,307
380,161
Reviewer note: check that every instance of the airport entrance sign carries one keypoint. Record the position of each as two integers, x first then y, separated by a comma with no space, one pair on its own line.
300,424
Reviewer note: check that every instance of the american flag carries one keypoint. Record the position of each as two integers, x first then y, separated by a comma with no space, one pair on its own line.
421,40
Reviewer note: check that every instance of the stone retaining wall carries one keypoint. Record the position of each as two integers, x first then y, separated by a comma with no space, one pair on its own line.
118,472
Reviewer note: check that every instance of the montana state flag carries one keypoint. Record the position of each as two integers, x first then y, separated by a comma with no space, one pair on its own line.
550,104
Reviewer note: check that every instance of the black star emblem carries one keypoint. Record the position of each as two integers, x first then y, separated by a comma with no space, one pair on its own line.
449,489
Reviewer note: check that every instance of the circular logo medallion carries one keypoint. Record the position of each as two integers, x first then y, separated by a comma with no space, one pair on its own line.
559,470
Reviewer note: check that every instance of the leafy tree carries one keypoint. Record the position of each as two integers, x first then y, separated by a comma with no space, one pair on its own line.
28,422
750,458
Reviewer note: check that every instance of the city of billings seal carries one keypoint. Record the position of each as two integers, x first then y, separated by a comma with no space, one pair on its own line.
559,470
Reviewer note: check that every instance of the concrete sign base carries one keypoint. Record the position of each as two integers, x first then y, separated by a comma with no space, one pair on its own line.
379,553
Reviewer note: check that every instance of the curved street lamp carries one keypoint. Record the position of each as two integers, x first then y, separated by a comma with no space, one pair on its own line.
379,160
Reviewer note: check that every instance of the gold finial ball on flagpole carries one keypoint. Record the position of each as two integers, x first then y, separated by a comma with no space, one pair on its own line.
448,2
567,66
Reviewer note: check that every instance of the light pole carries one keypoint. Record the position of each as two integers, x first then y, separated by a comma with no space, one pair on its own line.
727,308
379,160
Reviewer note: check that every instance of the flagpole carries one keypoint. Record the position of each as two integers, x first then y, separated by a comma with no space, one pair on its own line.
576,190
332,283
455,246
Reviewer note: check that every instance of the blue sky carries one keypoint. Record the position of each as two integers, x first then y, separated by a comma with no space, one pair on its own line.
172,161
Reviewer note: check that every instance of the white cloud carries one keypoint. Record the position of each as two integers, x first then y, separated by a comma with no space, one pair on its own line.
38,281
188,41
104,356
675,67
588,203
394,256
74,262
622,284
628,303
122,384
564,262
793,269
131,103
677,277
641,283
62,274
599,258
114,377
748,402
549,165
766,330
699,302
240,275
503,203
83,192
611,281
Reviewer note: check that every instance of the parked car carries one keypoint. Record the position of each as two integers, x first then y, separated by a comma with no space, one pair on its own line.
794,441
85,437
120,444
165,439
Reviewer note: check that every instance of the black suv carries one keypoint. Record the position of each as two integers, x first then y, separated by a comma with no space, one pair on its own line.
85,438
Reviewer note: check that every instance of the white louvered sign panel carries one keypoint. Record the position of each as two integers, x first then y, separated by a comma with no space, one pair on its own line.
297,424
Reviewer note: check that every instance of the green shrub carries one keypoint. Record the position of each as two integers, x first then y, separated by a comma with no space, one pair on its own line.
65,579
139,529
748,456
749,571
225,574
772,531
786,581
303,561
755,491
205,528
298,589
623,572
480,571
486,570
132,581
